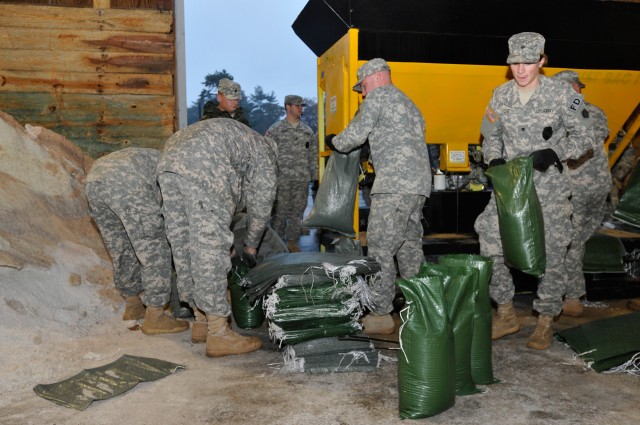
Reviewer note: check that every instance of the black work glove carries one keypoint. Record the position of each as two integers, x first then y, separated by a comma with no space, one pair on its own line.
328,141
495,162
249,259
545,158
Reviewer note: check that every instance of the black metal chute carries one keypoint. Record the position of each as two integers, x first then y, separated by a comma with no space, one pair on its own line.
586,34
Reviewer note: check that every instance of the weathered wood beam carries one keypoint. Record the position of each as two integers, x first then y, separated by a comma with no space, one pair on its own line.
81,18
91,83
89,62
83,40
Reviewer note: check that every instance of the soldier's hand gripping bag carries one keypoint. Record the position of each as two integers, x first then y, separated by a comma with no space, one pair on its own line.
334,204
519,215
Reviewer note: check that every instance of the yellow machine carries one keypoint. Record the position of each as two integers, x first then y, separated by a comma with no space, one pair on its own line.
442,56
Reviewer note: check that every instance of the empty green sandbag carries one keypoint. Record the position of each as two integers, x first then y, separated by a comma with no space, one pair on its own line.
519,215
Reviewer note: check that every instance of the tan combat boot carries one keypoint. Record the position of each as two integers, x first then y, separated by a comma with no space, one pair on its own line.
157,322
572,307
293,246
222,341
543,334
199,328
133,308
506,321
375,324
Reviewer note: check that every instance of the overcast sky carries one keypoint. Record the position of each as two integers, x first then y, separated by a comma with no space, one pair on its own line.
251,39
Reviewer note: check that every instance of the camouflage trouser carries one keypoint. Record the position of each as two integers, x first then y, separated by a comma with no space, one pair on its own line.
394,230
588,212
291,201
133,231
556,212
200,238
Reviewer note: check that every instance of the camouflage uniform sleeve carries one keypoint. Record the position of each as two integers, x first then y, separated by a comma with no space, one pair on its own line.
600,124
492,145
360,126
260,185
578,125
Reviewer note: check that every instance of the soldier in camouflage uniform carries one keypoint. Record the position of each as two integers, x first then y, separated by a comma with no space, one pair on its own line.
590,179
395,129
125,203
208,172
229,97
297,166
535,116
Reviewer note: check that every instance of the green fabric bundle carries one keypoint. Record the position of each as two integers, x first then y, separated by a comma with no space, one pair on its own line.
245,314
310,267
481,363
334,206
519,215
461,287
299,309
426,362
628,209
330,355
605,343
603,253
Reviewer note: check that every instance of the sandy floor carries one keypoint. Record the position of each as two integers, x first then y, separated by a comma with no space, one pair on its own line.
51,330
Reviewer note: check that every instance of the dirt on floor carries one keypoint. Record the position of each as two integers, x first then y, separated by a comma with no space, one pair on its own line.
536,387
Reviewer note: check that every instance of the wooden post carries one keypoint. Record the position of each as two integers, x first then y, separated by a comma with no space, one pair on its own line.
102,4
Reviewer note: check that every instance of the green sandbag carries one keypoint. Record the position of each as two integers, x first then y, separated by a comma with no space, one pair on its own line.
481,363
603,253
461,288
334,205
628,209
519,215
605,343
245,314
426,362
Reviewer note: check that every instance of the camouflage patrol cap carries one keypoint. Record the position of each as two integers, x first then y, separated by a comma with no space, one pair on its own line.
370,68
293,99
569,77
230,89
525,47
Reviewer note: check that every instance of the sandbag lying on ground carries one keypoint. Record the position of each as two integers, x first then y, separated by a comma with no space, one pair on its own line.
331,355
605,343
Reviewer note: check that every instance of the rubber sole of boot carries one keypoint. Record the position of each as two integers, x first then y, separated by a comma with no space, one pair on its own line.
538,346
230,352
158,331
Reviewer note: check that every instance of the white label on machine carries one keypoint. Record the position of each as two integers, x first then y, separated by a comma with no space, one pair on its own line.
333,104
457,157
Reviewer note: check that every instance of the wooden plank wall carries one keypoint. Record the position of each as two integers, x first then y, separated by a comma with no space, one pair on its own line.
102,77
